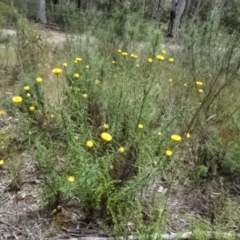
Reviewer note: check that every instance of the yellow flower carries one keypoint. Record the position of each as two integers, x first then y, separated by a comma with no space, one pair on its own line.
78,59
133,55
170,80
171,60
169,153
121,150
176,138
106,137
185,85
71,179
1,163
90,143
39,79
113,62
76,75
17,99
26,88
124,54
119,50
87,67
75,61
200,90
164,52
188,135
2,112
56,71
137,65
52,116
111,167
160,57
97,81
140,126
29,132
85,95
28,95
105,125
159,133
32,108
150,60
199,84
65,64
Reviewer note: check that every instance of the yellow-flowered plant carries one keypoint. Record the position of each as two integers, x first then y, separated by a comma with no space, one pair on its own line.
140,126
97,81
199,83
171,60
78,59
176,138
71,178
150,60
105,125
17,99
119,50
39,79
2,112
90,143
121,150
32,108
87,66
65,64
28,95
106,137
169,153
160,57
76,75
124,54
26,88
164,52
133,55
1,163
56,71
85,95
200,90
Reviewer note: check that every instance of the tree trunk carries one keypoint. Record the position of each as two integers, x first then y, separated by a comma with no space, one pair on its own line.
41,13
178,7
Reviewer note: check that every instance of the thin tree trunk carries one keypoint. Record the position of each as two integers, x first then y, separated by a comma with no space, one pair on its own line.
41,12
178,7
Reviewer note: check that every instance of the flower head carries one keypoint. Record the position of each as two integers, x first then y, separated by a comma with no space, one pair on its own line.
39,79
188,135
87,66
56,71
97,81
106,137
200,90
140,126
170,80
150,60
28,95
85,95
185,85
105,125
17,99
1,163
113,62
119,50
71,178
32,108
199,83
164,52
121,150
89,143
76,75
160,57
171,60
133,55
159,133
52,115
176,138
26,88
137,65
124,54
78,59
2,112
169,152
65,64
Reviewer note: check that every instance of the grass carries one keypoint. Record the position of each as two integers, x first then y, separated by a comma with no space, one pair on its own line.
114,135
